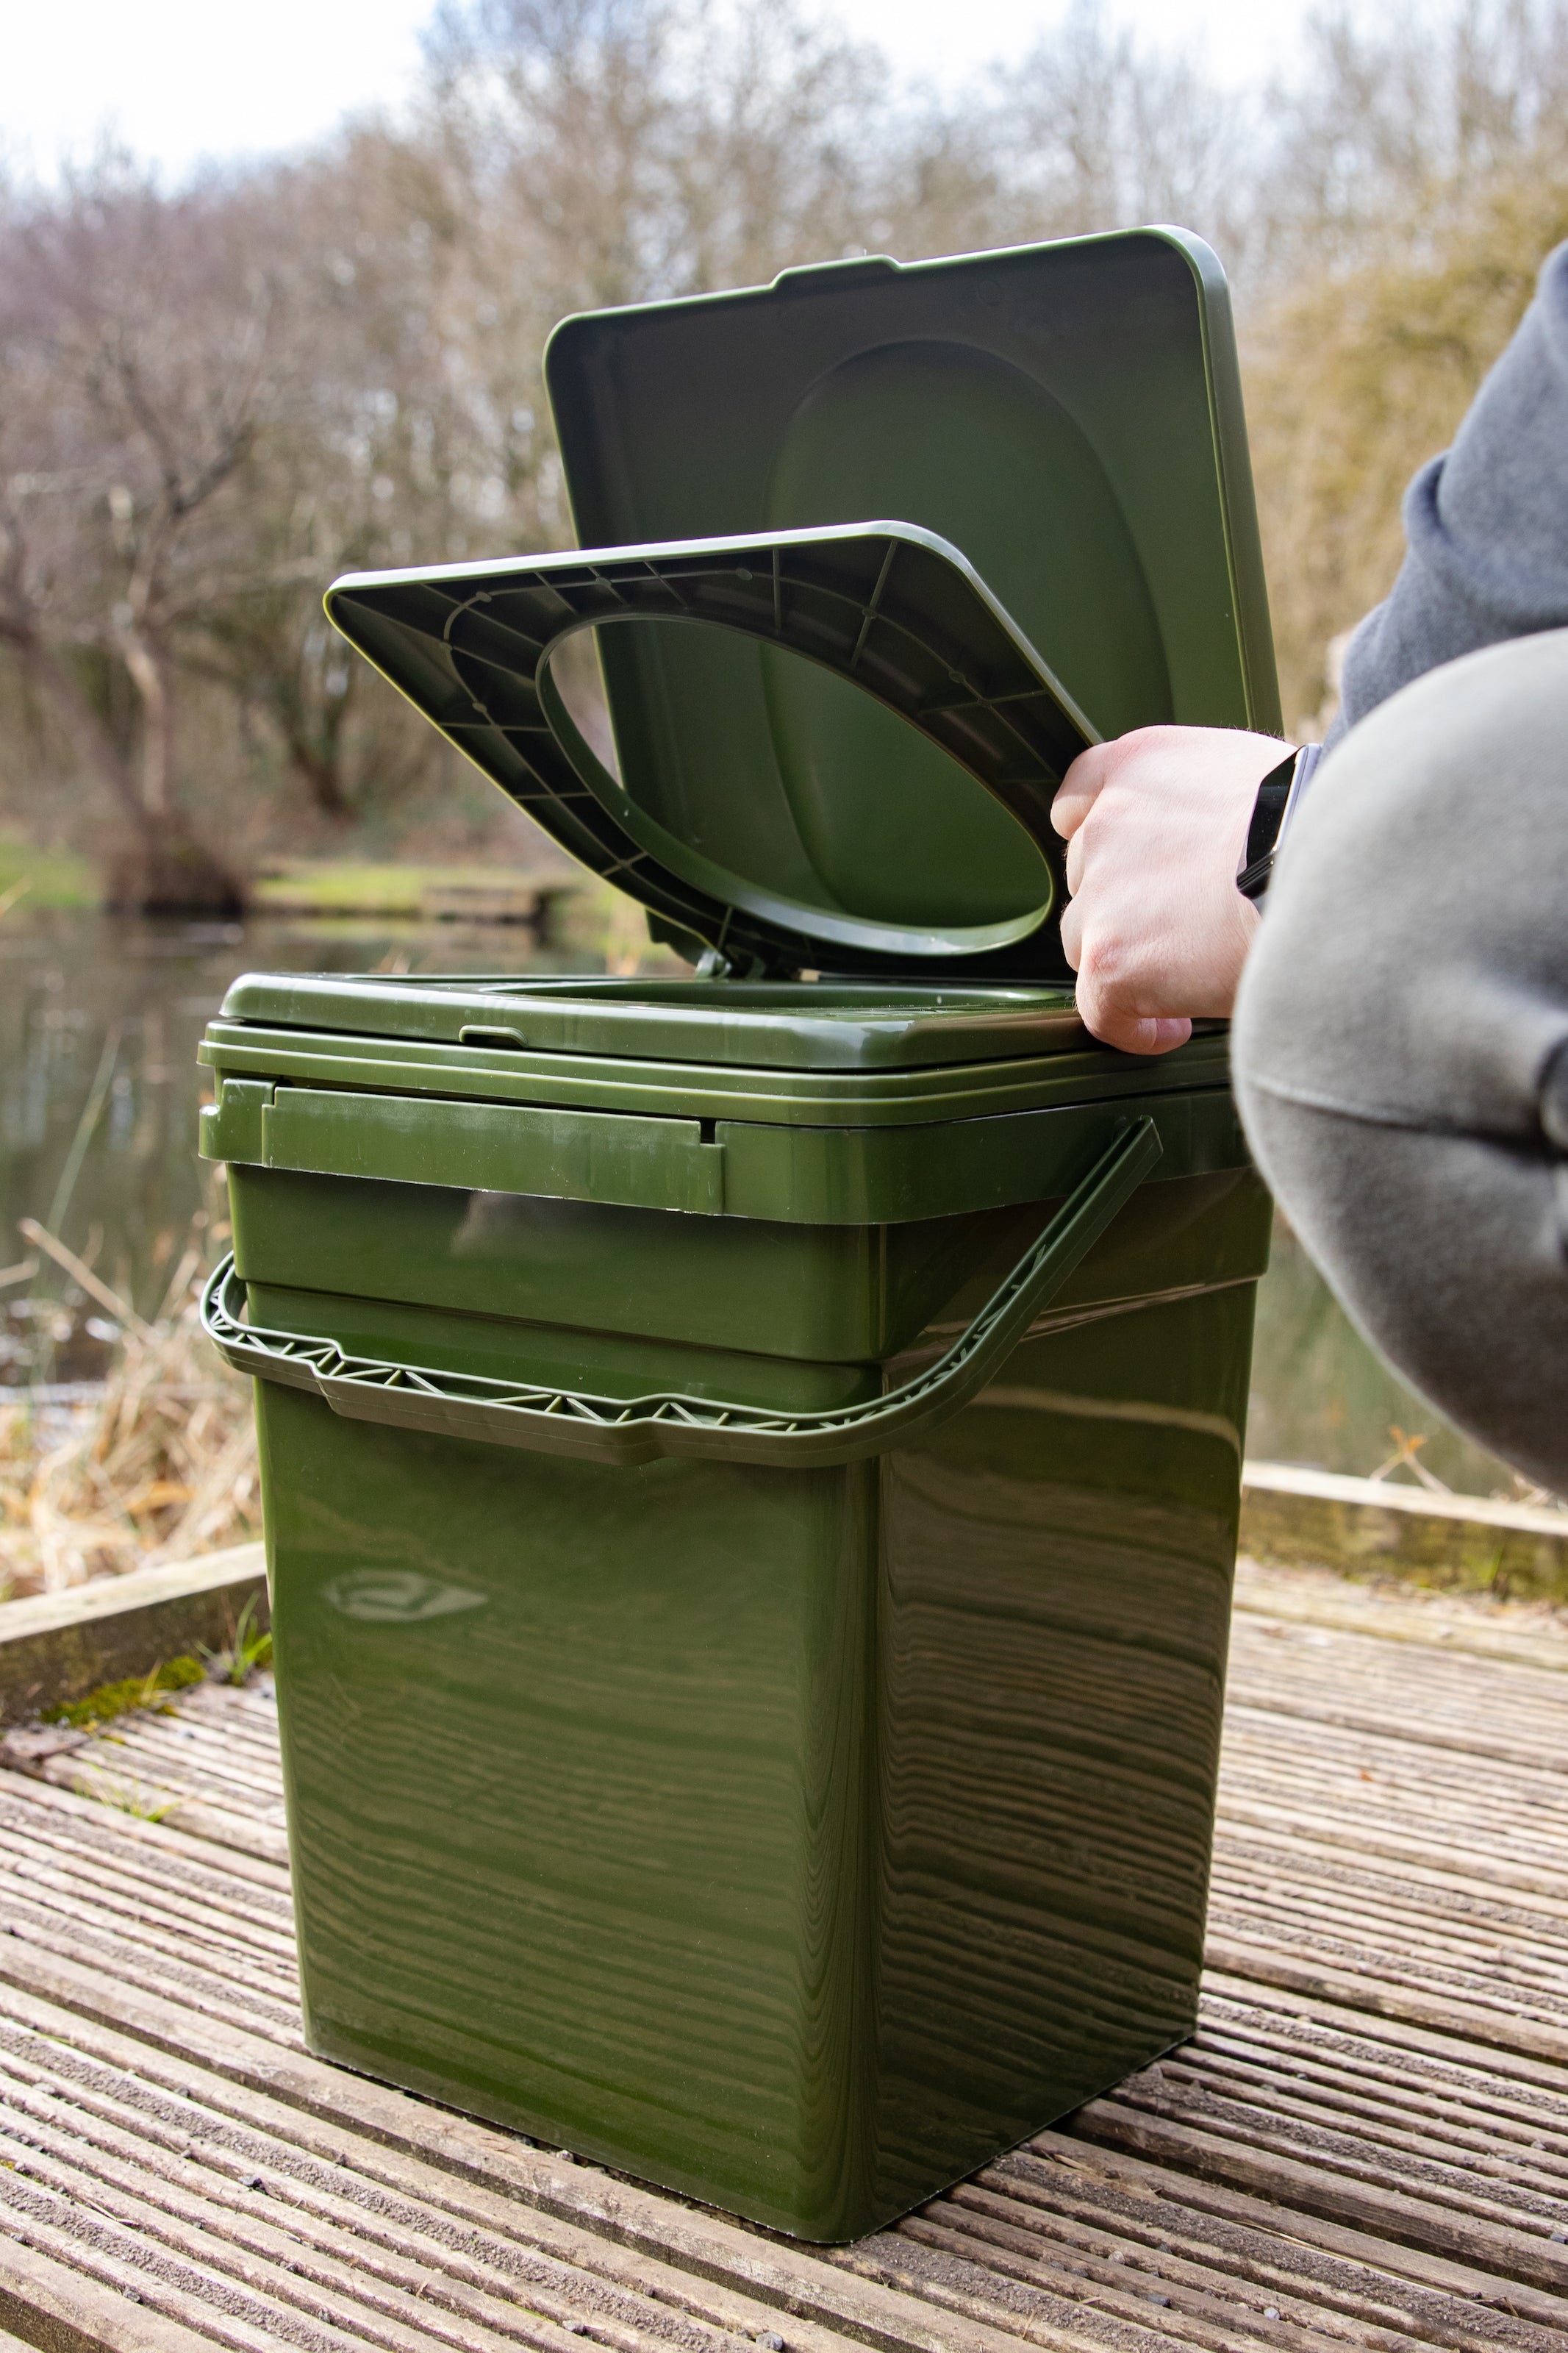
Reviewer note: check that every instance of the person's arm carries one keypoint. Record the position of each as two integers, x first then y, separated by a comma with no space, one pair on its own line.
1157,822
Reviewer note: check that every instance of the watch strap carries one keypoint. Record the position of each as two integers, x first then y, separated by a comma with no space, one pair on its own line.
1271,813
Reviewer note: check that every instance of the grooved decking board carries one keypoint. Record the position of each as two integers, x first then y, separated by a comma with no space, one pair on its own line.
1365,2145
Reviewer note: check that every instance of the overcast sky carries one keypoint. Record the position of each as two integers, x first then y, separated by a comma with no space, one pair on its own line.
181,80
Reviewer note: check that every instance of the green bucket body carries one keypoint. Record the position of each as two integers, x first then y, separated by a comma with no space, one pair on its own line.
795,1839
790,1824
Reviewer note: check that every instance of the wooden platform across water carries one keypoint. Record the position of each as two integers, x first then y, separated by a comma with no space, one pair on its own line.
414,894
1365,2144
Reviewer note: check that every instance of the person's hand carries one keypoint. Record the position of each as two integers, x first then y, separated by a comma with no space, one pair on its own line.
1156,824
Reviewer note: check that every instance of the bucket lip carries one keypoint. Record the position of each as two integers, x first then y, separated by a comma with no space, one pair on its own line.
547,1043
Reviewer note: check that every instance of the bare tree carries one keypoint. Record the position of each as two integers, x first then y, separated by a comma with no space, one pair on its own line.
634,148
1415,180
213,402
1389,140
388,443
135,342
1094,130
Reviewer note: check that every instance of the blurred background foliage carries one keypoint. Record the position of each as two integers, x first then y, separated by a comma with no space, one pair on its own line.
215,397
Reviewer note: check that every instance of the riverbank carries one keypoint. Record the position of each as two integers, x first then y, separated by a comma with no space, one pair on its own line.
389,892
32,877
328,889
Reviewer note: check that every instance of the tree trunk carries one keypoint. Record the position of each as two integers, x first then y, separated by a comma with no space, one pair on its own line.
150,677
315,754
159,864
322,777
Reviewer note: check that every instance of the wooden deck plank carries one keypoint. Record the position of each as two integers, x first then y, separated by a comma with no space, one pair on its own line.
1364,2146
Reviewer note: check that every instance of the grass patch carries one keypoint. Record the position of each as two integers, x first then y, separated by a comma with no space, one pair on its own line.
30,877
246,1655
110,1699
347,886
339,887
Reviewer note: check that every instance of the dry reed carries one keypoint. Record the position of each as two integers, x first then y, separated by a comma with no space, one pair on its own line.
160,1466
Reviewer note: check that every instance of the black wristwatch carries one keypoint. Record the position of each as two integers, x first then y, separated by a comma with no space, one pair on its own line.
1277,797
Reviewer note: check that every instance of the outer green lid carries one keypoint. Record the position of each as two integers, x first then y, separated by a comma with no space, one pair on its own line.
844,1026
1056,431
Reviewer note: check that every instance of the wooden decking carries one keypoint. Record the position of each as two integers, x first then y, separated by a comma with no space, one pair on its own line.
1365,2145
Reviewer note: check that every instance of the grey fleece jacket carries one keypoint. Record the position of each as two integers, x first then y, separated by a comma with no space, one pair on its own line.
1401,1038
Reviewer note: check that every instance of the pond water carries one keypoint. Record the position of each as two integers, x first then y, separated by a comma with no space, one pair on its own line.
99,1021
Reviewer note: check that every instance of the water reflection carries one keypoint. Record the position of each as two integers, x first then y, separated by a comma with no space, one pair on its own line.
100,1021
1320,1396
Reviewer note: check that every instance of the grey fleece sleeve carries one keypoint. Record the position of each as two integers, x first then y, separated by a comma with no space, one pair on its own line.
1485,524
1401,1041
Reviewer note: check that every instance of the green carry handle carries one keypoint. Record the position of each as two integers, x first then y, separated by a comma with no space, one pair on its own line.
639,1429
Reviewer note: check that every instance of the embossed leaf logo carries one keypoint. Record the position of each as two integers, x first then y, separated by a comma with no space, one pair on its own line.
397,1597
